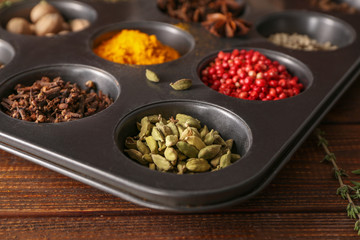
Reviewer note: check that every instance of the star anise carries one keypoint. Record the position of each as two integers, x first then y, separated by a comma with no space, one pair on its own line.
196,10
224,25
225,6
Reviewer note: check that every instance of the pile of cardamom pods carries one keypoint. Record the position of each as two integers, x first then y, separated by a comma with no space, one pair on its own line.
179,145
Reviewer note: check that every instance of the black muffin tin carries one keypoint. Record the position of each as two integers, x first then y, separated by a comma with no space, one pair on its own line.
266,134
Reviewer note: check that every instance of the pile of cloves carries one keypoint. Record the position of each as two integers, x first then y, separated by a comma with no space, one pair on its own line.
53,101
45,20
219,17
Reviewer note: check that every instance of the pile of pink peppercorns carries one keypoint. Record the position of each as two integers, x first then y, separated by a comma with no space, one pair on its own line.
248,74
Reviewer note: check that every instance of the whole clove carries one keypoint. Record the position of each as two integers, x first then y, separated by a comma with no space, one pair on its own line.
53,101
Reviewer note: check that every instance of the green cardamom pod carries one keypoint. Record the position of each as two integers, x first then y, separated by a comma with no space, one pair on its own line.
135,155
170,154
154,118
161,146
161,162
142,147
203,132
180,128
229,143
157,135
138,126
215,162
189,131
181,167
197,165
152,166
151,76
209,152
183,118
174,129
147,157
187,149
195,141
145,127
235,157
152,144
171,140
219,140
181,156
164,129
130,143
182,84
225,160
209,138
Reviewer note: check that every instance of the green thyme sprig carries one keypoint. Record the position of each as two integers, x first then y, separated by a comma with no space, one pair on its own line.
345,191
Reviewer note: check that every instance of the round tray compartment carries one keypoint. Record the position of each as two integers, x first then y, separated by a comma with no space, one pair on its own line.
167,34
317,26
7,52
213,116
293,66
69,10
74,73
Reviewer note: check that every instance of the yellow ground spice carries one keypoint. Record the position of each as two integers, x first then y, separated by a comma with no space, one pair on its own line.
135,47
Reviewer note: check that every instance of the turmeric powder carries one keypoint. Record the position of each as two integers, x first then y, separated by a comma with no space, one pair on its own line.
135,47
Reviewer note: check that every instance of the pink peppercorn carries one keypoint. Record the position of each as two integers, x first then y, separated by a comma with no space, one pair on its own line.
248,74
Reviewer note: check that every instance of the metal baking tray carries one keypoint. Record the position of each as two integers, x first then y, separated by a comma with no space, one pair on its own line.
266,134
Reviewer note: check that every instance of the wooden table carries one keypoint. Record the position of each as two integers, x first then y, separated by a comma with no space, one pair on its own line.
301,203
